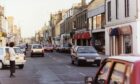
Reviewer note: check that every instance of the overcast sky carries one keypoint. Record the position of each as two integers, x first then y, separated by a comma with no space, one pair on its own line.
31,15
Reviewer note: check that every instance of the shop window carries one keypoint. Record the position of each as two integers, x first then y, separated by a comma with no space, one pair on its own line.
127,44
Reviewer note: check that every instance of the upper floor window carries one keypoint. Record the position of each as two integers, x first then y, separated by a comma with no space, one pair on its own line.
98,21
117,9
109,10
90,23
126,8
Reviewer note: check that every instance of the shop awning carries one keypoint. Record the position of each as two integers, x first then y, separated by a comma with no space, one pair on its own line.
125,30
86,35
115,32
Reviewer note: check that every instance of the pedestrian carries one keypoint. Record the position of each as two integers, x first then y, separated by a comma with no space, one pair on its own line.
12,59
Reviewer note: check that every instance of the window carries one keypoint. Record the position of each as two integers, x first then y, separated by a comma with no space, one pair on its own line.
127,44
126,8
109,10
117,9
98,21
117,75
104,72
90,23
94,22
103,21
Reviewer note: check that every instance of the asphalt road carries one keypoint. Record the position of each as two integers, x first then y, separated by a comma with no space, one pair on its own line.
54,68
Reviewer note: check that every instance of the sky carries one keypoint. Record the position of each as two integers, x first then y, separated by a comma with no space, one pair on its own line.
31,15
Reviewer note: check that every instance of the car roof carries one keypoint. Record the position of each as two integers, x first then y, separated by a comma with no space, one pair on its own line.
126,58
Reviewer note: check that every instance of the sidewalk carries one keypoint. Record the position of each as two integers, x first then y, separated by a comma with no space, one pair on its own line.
104,56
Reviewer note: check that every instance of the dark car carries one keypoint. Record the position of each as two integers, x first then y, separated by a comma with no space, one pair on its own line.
85,54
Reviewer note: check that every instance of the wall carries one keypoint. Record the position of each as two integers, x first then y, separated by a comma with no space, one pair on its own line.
121,12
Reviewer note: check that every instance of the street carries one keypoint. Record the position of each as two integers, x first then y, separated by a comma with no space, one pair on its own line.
54,68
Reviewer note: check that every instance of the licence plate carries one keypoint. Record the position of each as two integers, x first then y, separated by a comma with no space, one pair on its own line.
90,60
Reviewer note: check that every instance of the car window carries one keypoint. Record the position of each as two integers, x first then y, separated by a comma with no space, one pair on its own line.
37,46
86,50
1,51
7,50
127,75
17,50
103,73
117,75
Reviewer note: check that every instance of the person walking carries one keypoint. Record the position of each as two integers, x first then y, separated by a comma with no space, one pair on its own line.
12,59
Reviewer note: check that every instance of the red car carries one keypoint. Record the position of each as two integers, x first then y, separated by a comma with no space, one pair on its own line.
117,70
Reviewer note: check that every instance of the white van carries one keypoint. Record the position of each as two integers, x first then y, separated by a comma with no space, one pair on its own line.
4,57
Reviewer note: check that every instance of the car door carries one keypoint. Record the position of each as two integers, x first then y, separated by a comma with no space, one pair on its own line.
103,73
118,73
7,56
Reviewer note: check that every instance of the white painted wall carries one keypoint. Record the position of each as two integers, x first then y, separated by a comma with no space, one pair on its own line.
107,42
121,12
137,43
138,4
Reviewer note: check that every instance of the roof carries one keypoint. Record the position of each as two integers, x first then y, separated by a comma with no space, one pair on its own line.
127,58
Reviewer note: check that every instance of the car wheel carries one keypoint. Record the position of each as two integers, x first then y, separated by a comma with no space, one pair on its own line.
72,61
1,65
42,55
78,63
21,66
31,54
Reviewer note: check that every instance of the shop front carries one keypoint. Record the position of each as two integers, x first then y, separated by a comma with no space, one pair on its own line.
82,39
98,41
121,40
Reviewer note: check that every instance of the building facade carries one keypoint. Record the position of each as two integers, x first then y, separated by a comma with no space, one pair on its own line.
96,24
122,27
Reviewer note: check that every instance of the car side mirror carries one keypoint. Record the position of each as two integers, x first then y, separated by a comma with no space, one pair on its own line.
89,80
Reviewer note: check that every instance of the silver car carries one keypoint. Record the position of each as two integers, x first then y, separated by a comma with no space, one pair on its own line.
85,54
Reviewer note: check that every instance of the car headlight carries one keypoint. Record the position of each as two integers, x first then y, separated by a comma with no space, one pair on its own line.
98,57
81,57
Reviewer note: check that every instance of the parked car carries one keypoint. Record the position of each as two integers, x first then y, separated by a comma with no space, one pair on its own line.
117,70
36,49
23,48
49,48
5,57
85,54
64,49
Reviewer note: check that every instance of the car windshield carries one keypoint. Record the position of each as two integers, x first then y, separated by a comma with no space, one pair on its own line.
17,50
1,51
37,46
86,50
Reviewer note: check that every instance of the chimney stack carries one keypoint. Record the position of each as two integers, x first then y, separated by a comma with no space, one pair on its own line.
83,2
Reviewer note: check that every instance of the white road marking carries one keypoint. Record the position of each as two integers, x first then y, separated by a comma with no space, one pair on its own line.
68,66
82,74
